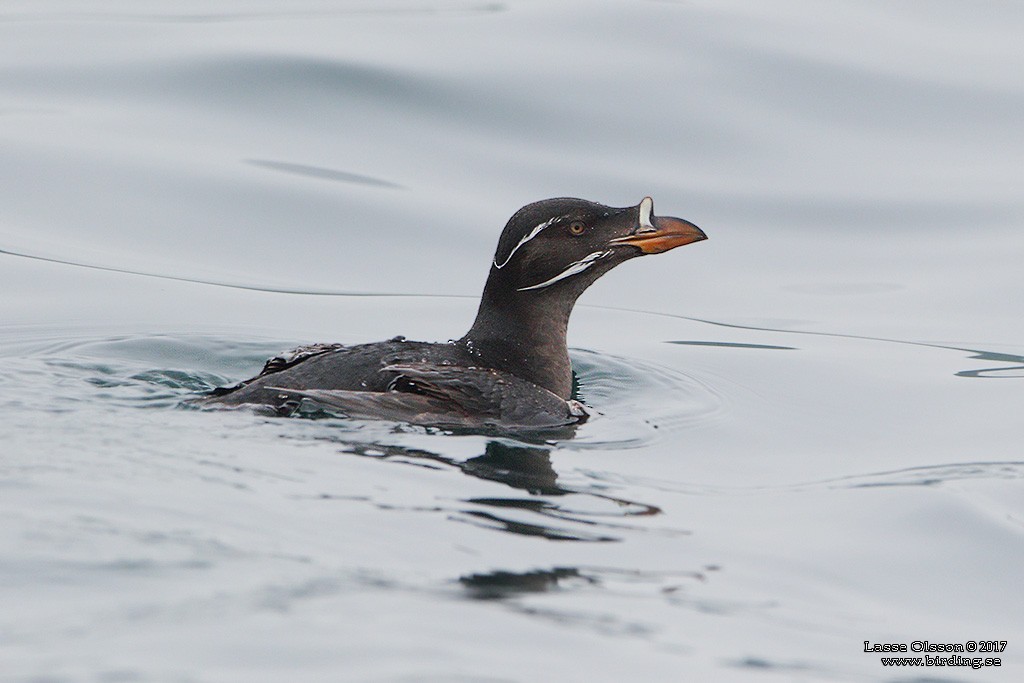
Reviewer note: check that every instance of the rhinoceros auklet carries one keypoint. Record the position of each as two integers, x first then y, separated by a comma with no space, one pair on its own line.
511,370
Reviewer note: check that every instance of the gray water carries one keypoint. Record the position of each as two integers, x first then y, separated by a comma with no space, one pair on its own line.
807,430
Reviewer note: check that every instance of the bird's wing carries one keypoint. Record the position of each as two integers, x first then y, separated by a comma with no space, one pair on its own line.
392,405
466,389
448,395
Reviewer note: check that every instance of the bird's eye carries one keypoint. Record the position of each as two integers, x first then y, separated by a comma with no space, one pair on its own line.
577,227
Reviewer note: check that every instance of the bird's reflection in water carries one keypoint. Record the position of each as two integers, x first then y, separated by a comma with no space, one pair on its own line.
508,585
521,467
540,507
547,510
499,585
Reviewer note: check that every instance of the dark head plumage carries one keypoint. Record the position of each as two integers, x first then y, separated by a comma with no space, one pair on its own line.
565,244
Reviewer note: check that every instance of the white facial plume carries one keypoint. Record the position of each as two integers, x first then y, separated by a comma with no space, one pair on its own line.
574,268
529,236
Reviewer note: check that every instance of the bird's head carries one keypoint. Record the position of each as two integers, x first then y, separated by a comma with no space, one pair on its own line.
559,247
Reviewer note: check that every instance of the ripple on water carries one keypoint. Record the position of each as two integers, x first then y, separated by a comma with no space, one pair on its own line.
637,402
145,371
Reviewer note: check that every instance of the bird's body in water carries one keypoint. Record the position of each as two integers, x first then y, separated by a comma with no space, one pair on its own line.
511,369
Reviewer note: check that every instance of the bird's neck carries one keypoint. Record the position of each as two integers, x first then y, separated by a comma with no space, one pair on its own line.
523,335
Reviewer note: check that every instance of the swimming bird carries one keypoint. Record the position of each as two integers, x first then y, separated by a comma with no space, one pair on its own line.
511,370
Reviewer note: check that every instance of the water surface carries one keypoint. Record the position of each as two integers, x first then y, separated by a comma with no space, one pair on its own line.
806,430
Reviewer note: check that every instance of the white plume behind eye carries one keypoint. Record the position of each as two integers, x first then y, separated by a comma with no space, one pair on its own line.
646,208
574,268
529,236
